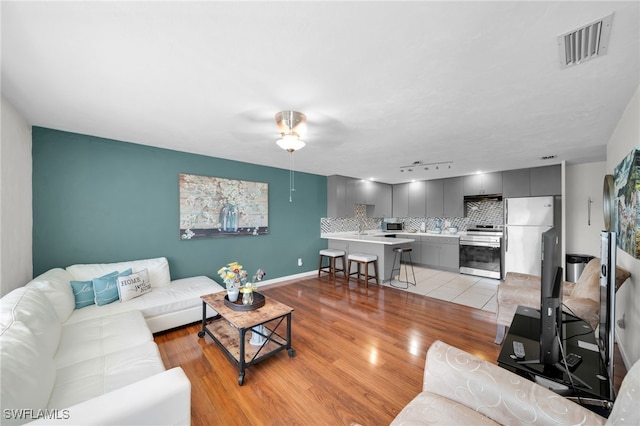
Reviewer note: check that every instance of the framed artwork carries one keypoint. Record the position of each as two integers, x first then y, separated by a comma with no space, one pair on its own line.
627,185
217,207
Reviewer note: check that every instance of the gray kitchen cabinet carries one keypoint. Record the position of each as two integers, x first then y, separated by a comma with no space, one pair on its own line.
416,250
381,199
516,183
546,180
401,200
417,200
434,195
343,193
440,253
453,197
534,182
337,196
484,183
450,254
430,255
354,194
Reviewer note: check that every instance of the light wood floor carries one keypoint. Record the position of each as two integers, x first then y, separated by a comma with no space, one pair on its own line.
360,357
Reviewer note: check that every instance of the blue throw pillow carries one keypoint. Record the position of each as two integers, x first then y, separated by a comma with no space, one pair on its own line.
83,293
106,287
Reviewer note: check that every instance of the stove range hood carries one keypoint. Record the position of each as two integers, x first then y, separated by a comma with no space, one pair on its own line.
482,197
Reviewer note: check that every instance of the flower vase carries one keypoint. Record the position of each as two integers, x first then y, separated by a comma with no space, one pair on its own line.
232,294
229,218
257,339
247,297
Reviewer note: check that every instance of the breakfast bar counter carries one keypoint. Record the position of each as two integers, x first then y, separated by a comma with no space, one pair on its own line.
369,242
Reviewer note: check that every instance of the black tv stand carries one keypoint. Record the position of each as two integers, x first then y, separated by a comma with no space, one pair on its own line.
586,384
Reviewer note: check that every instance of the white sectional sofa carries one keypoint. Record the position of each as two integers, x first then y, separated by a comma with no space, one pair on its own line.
95,364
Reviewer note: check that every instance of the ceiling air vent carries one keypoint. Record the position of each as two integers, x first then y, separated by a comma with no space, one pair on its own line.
587,42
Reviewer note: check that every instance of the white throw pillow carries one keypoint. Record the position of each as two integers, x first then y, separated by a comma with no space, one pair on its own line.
134,285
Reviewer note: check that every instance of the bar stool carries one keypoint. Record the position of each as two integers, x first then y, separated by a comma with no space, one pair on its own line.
401,251
363,259
331,255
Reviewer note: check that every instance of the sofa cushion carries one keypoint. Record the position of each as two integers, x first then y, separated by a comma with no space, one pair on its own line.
100,336
158,268
106,287
31,307
625,409
182,294
588,285
93,377
133,285
27,373
55,285
429,408
83,293
496,392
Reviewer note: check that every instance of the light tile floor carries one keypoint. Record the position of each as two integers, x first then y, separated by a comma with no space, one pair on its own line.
476,292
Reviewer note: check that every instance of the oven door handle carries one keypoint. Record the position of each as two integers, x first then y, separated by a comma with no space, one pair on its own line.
479,244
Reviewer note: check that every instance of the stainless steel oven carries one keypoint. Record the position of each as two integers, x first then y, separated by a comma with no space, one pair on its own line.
481,252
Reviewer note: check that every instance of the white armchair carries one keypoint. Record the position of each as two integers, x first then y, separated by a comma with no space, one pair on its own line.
460,388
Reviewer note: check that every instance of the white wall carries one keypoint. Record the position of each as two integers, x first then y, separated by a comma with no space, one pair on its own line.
624,139
584,181
16,219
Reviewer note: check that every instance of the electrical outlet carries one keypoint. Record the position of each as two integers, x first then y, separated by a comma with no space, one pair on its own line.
299,261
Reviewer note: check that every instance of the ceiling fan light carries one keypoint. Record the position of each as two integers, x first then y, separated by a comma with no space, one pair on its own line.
290,143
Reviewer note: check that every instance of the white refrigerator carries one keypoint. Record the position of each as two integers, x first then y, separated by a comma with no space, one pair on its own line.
525,219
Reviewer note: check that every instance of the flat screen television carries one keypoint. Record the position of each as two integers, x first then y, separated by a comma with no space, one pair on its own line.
606,326
550,299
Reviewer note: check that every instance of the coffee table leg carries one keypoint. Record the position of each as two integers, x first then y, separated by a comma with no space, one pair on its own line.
241,365
290,350
204,319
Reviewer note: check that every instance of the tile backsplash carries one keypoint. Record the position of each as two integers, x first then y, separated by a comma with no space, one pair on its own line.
477,212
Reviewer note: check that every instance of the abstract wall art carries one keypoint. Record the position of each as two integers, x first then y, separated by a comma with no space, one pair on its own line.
627,185
217,207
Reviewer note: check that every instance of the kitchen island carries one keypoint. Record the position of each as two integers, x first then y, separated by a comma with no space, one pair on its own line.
434,250
371,242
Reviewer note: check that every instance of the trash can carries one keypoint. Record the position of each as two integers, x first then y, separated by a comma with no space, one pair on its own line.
575,265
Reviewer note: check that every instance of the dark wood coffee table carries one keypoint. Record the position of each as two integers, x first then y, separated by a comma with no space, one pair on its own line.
229,329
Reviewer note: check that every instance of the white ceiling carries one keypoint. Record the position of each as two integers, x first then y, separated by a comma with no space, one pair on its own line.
383,84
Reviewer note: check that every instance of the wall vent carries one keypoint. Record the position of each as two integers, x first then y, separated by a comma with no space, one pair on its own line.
584,43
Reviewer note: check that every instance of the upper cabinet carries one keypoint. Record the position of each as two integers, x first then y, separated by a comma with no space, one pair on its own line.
439,197
337,196
453,197
417,200
381,196
434,194
343,193
534,182
401,200
546,180
515,183
484,183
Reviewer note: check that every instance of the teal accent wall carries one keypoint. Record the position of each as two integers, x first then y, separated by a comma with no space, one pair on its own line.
97,200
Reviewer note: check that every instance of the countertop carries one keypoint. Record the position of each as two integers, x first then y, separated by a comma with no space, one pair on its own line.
375,237
378,237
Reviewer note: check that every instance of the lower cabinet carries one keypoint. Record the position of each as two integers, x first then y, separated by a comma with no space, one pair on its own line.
437,252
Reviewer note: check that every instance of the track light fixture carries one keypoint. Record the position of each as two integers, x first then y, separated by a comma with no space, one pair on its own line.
425,166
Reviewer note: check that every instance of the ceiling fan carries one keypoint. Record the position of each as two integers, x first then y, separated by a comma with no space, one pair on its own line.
292,125
314,128
293,129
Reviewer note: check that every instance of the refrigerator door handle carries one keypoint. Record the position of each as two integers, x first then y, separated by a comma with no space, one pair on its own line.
506,239
506,211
